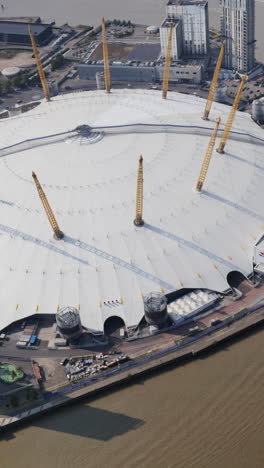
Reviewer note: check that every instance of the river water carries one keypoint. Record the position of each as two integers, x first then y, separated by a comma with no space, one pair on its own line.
90,12
205,414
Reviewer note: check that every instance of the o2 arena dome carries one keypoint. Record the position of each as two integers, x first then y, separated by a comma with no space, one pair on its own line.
84,150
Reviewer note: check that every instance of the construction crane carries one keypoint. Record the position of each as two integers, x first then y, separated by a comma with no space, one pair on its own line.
57,232
214,83
138,221
166,73
207,157
231,116
41,73
106,60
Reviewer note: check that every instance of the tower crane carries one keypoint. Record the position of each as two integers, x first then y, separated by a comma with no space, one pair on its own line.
138,221
106,59
214,83
52,220
166,73
207,157
41,73
231,116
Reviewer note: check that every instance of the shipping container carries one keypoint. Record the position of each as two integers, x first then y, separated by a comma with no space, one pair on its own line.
37,373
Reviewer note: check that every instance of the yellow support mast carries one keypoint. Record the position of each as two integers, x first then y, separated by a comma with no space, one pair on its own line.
41,73
207,158
214,83
138,221
57,232
106,60
166,73
231,117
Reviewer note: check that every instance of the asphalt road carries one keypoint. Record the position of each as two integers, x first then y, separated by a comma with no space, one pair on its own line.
25,95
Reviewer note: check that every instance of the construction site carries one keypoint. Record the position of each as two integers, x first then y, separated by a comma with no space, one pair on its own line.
128,207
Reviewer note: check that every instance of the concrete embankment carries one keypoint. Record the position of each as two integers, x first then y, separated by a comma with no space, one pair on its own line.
137,368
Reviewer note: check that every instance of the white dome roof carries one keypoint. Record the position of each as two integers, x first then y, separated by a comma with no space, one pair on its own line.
105,264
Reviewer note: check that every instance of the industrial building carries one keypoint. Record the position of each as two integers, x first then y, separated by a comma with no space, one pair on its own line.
145,71
84,150
14,32
143,64
238,28
193,15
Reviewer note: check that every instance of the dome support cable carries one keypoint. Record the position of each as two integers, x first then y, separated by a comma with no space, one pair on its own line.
106,59
207,157
41,73
138,221
166,73
214,83
52,220
231,117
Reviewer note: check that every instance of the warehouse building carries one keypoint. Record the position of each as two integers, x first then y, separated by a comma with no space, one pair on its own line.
143,64
13,32
145,72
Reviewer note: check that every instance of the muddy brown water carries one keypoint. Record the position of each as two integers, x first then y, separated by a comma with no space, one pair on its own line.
205,414
90,12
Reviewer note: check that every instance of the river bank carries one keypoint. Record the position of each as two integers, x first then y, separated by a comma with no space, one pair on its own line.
139,367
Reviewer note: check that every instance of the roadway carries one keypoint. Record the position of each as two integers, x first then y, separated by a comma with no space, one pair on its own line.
21,96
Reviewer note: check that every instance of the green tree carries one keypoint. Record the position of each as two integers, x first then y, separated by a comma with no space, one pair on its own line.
16,81
7,85
57,61
35,80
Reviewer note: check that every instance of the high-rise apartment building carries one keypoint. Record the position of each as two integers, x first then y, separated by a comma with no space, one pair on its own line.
194,18
238,28
176,45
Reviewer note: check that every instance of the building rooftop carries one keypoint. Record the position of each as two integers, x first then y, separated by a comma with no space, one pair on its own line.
187,2
124,52
13,27
105,264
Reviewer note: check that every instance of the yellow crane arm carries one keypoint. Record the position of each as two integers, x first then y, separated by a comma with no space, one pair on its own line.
106,59
166,73
41,73
214,83
138,221
58,233
207,158
231,116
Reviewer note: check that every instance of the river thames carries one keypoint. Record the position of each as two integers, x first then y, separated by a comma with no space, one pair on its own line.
90,12
205,414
